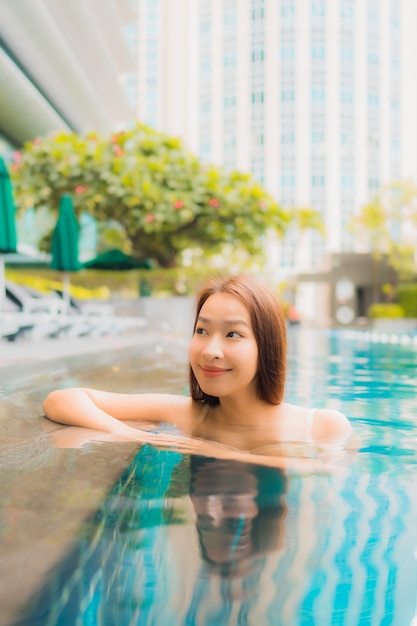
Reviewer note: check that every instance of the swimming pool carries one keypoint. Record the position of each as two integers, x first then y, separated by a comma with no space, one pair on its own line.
186,540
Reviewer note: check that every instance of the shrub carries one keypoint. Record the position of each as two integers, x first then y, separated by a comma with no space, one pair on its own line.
390,310
406,296
96,284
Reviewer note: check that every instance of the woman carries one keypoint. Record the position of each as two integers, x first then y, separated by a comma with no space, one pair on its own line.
237,375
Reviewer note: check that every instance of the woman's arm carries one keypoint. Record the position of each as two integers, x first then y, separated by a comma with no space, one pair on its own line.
107,412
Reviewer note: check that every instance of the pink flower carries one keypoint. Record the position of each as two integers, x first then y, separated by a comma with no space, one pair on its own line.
149,218
17,156
118,152
214,203
178,204
36,141
80,189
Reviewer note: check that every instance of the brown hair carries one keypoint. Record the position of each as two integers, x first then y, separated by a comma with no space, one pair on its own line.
269,328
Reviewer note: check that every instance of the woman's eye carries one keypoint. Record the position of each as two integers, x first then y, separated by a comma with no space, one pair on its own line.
234,334
200,331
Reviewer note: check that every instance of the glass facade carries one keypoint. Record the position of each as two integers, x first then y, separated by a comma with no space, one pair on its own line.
205,80
373,96
319,113
152,16
230,25
257,82
395,88
347,120
286,121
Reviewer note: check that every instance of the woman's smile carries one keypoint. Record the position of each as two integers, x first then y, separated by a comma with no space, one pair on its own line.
212,372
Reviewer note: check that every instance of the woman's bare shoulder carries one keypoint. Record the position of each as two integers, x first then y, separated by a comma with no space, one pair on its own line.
330,426
321,425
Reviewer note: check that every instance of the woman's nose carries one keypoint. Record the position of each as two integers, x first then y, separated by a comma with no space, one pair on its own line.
212,348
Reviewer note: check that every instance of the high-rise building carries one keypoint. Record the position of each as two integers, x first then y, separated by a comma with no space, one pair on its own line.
317,98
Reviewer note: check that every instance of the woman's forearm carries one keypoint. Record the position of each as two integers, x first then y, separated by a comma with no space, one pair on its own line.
74,407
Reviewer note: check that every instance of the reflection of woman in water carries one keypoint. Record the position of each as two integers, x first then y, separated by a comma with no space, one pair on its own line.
237,379
240,515
125,568
239,511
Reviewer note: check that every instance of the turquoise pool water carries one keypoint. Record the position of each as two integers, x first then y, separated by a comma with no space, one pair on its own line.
183,540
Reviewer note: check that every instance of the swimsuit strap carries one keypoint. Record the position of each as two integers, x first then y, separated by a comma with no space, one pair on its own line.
308,428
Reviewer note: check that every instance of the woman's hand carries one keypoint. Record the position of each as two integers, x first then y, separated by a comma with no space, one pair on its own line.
78,436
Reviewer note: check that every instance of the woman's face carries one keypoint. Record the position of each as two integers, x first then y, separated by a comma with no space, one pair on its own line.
223,351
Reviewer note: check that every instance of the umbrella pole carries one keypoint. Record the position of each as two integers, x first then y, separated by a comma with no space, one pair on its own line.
66,290
2,282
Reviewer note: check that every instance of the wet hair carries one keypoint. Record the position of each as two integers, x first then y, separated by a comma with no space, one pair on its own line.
268,325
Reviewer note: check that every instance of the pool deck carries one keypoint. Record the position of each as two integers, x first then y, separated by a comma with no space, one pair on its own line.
171,315
48,491
25,351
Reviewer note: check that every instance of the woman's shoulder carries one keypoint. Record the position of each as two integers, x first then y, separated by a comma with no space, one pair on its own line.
321,425
330,425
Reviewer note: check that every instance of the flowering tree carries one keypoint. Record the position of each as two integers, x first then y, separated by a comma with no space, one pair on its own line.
163,197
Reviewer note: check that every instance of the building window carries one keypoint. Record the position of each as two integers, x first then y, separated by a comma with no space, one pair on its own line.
373,16
347,181
346,54
317,8
318,180
287,181
317,136
287,137
287,53
346,96
229,59
287,95
287,10
318,52
257,55
318,94
347,11
373,99
205,106
373,183
229,101
258,97
373,58
258,13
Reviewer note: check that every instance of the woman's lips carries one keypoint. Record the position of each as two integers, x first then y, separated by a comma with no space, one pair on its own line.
212,372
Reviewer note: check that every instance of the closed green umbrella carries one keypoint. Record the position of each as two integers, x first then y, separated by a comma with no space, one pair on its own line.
8,240
64,247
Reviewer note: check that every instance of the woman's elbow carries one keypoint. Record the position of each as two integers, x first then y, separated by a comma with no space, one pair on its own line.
55,402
